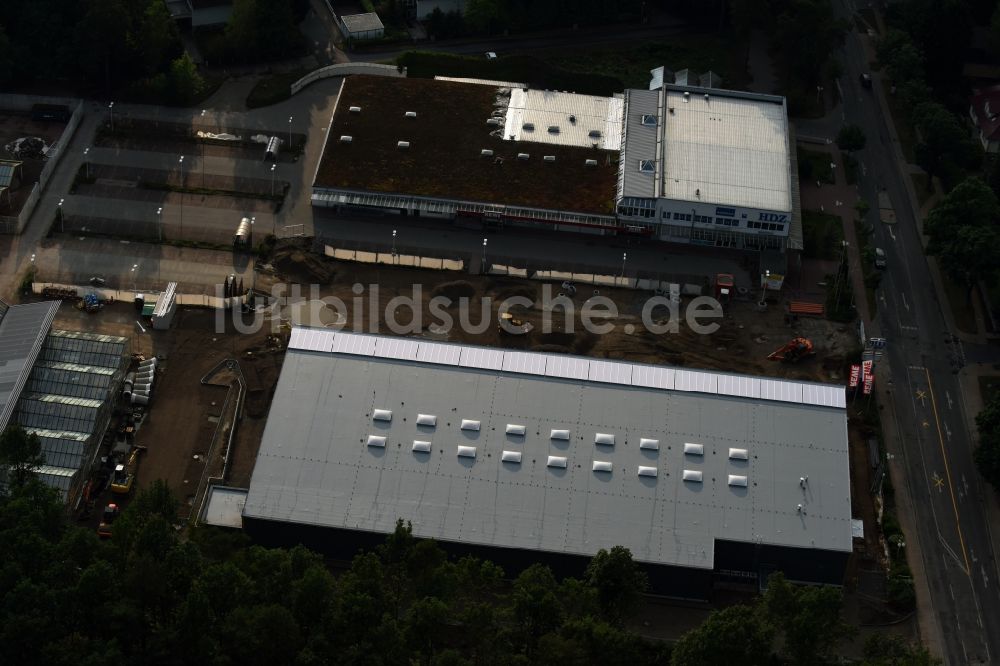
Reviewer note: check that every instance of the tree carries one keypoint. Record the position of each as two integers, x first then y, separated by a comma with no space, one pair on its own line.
186,82
963,232
748,639
987,453
482,15
943,140
535,606
805,33
21,454
902,58
851,138
808,618
618,581
6,58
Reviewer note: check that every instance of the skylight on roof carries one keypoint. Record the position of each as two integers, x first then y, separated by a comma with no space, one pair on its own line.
647,166
649,120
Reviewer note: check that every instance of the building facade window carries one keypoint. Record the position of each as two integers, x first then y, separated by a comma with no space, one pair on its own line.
727,221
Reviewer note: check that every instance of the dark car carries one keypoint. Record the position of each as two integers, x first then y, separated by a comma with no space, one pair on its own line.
866,80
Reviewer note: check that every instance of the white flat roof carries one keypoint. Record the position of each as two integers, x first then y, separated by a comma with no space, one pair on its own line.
547,108
224,506
727,150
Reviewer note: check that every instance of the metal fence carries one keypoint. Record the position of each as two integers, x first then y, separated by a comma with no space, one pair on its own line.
125,294
344,69
24,103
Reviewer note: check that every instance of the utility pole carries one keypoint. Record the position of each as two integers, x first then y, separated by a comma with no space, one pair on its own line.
159,223
111,113
86,161
62,220
180,162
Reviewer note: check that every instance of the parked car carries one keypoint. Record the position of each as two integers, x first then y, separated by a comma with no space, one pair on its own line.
866,80
880,262
490,55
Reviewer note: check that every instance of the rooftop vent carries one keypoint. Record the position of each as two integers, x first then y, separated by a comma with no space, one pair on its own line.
469,424
737,481
647,471
355,109
346,138
528,127
572,119
594,134
486,152
376,440
493,121
649,444
511,457
649,120
553,129
522,156
697,192
607,439
738,454
559,434
427,420
692,475
694,449
515,429
686,96
420,446
466,452
557,461
671,109
402,144
410,114
590,162
382,415
706,97
602,466
549,158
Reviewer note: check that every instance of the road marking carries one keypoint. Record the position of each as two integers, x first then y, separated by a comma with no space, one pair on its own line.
864,171
921,396
905,304
947,472
918,368
938,482
947,433
891,235
950,404
986,579
926,423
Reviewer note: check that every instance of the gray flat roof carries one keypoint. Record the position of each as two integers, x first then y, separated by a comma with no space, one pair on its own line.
224,506
315,464
362,22
22,331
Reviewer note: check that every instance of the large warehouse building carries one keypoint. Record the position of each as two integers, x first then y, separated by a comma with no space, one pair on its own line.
523,457
58,385
679,163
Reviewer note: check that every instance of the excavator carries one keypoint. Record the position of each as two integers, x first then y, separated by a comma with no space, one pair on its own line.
793,351
123,480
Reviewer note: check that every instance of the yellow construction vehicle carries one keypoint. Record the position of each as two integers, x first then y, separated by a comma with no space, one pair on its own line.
123,480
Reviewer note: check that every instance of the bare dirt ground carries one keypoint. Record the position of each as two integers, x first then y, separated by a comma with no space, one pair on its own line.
16,125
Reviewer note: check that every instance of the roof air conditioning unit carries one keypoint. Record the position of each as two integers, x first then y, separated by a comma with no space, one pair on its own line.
402,144
686,96
594,134
486,152
553,129
590,163
671,110
528,127
355,109
522,156
410,114
549,158
346,138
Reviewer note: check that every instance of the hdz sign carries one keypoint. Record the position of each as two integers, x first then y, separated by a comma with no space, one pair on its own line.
773,217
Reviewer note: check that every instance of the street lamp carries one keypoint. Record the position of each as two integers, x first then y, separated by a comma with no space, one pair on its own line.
394,242
289,132
484,255
62,220
253,218
180,164
134,266
86,161
159,223
272,179
624,258
111,114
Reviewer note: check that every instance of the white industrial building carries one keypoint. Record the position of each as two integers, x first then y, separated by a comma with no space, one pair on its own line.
359,27
709,167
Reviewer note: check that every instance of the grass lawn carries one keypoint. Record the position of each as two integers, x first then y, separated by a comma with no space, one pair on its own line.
822,235
273,89
961,307
920,186
814,165
989,386
904,130
631,65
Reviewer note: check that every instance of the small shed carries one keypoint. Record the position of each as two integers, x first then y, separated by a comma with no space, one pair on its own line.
273,148
244,234
362,26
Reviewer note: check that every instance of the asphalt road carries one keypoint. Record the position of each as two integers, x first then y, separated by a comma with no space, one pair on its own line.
924,406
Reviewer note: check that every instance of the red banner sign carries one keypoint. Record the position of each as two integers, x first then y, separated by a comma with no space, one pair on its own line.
855,376
868,377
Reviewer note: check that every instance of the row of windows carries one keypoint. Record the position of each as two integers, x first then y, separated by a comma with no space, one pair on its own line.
628,211
727,221
683,217
725,238
766,226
